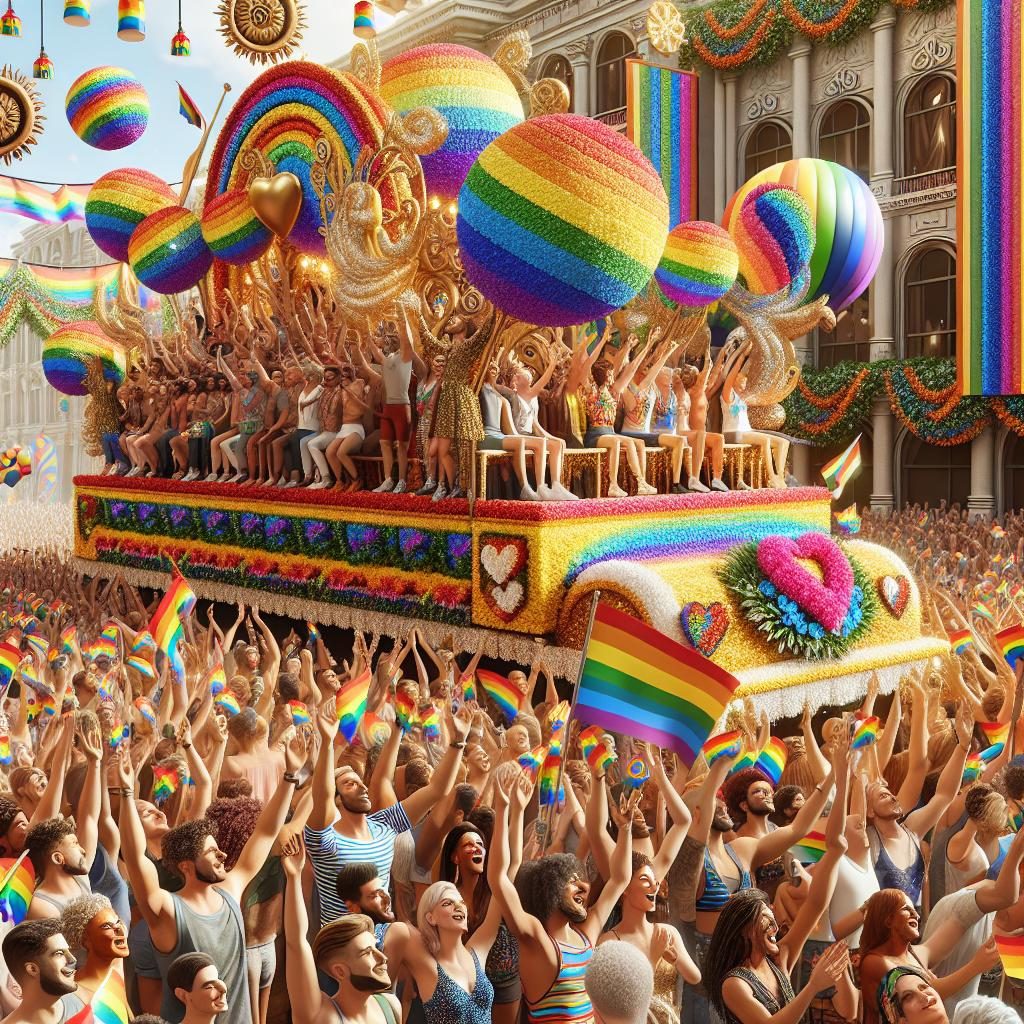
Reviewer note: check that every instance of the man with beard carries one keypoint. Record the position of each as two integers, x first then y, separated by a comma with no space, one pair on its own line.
362,892
91,924
196,985
205,914
344,951
37,955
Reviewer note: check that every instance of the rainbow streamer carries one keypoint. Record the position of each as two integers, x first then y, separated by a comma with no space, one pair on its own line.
405,710
661,121
552,790
865,734
1010,642
502,692
960,640
227,702
922,519
16,891
351,704
595,750
300,713
430,720
772,759
166,781
810,849
532,761
468,683
725,744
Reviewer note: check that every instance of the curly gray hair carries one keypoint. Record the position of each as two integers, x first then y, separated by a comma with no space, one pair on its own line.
620,983
77,915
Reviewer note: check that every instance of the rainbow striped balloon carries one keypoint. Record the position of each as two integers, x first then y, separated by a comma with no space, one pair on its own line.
167,251
233,231
561,221
119,202
477,99
107,108
699,265
774,233
69,350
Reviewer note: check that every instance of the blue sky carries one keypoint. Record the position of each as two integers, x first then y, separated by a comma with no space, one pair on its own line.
61,156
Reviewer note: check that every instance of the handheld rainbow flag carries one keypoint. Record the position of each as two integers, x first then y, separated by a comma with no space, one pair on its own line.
351,704
405,710
143,642
996,733
595,749
188,109
166,781
119,734
109,1004
1010,642
166,625
641,683
973,767
725,744
866,733
502,692
532,761
960,640
430,720
559,715
106,645
5,749
146,709
300,713
140,665
227,703
1011,953
980,609
69,639
10,659
636,773
468,683
848,521
772,759
19,882
38,646
216,678
810,849
838,472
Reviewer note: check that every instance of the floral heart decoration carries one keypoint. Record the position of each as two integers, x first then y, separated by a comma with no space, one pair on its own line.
503,576
705,626
895,594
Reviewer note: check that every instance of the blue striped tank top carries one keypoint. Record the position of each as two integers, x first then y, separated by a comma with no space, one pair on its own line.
566,1001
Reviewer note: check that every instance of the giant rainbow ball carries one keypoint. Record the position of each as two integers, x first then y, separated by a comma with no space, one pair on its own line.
107,107
699,264
475,96
119,202
774,234
68,352
167,251
233,231
561,221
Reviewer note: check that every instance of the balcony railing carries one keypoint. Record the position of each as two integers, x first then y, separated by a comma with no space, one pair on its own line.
924,182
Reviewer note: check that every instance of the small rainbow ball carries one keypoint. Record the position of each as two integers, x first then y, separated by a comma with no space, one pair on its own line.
119,202
167,251
699,265
561,221
774,234
233,231
476,97
68,352
107,107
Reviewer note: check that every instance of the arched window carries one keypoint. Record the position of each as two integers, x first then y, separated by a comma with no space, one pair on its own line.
611,75
844,137
929,126
929,303
933,474
851,338
1013,472
768,144
559,67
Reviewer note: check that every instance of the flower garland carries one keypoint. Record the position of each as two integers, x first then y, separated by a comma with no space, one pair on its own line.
820,24
1010,412
928,409
828,406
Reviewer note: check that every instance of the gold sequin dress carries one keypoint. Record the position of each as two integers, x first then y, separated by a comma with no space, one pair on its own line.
457,414
102,413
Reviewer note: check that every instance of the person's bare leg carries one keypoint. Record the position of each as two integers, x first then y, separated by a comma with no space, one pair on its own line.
445,467
677,448
611,444
331,454
350,443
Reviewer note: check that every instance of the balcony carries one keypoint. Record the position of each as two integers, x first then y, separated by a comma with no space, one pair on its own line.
924,182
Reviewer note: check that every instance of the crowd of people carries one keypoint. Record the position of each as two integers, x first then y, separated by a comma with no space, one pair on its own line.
209,847
240,406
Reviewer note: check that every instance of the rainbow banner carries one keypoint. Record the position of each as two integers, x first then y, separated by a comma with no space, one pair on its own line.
643,684
661,121
1010,642
1011,953
34,202
990,291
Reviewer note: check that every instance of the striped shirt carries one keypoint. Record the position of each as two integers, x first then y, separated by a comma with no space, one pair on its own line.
566,1002
329,851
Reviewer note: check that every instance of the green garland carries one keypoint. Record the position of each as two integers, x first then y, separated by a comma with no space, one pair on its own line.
801,414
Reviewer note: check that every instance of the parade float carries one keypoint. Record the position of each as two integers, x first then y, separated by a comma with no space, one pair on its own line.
442,182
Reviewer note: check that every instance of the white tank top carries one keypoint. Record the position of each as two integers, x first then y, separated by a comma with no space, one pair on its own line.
854,885
734,415
396,374
524,413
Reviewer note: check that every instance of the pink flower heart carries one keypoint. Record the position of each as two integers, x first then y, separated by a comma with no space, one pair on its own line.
826,600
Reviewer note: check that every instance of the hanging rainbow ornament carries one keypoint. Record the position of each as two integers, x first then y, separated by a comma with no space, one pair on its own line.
107,107
131,20
10,23
699,265
76,12
42,66
181,45
363,26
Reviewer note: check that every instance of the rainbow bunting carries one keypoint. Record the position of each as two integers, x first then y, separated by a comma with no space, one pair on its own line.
166,626
1010,642
405,710
19,882
866,733
532,760
960,640
300,713
1011,953
661,121
641,683
772,759
848,521
595,749
725,744
810,849
188,109
502,692
838,472
165,783
227,703
430,720
995,732
351,703
973,767
468,683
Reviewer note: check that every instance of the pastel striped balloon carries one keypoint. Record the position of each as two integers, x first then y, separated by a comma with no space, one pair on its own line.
774,234
107,107
561,221
475,96
68,352
119,202
233,231
699,264
168,252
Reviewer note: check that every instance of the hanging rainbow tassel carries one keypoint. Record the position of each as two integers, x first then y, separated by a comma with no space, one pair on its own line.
363,26
76,12
10,23
181,45
131,20
42,67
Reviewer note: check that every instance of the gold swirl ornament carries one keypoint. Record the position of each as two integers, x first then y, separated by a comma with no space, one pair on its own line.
265,31
665,27
20,115
549,96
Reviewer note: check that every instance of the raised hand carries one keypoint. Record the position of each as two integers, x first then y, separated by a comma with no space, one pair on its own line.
293,857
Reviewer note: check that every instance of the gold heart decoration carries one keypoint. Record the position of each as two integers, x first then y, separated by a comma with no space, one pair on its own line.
277,201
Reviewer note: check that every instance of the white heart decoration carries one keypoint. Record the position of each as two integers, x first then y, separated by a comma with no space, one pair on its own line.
509,598
498,564
890,591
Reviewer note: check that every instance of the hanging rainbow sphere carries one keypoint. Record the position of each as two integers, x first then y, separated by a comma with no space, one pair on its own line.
167,251
848,228
699,264
107,107
561,221
68,352
774,234
76,12
233,231
475,96
118,202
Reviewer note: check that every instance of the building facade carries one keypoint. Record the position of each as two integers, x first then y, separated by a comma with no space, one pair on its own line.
884,105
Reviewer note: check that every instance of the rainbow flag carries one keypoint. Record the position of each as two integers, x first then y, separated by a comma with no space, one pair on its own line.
772,759
5,749
188,109
980,609
468,683
997,531
19,882
166,626
1010,642
106,645
502,692
144,643
69,640
140,665
922,519
996,733
216,678
165,783
373,730
973,767
865,733
810,849
227,702
33,202
430,720
661,121
725,744
532,760
146,709
641,683
552,792
38,646
589,334
351,703
595,750
119,733
636,774
405,710
300,713
1011,953
10,659
838,472
848,521
109,1005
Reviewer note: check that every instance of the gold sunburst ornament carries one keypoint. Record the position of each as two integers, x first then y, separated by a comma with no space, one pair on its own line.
665,27
20,115
265,31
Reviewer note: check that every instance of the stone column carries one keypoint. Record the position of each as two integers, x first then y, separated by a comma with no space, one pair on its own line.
578,52
800,64
882,100
882,452
731,140
721,196
800,463
981,503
